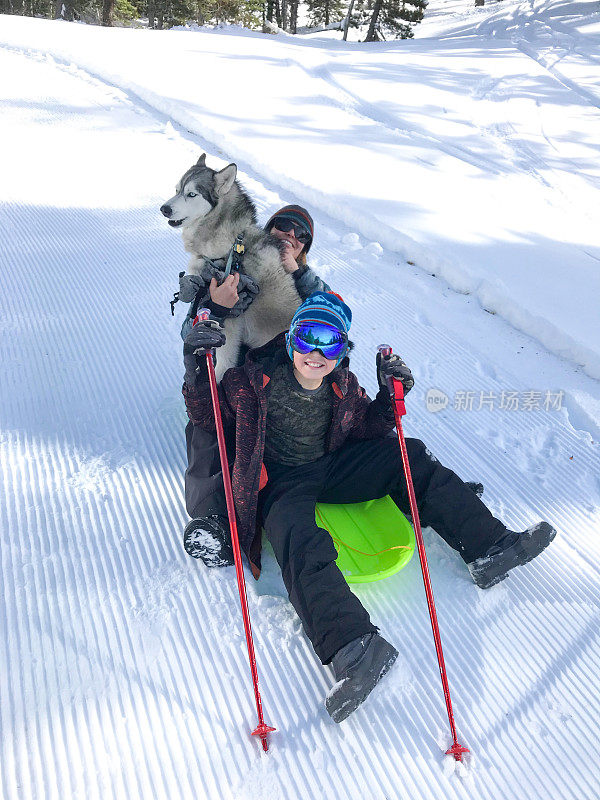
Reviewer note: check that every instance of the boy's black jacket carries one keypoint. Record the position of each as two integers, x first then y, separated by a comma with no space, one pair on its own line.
243,396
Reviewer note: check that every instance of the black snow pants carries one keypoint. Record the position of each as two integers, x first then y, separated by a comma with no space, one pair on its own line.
204,493
330,613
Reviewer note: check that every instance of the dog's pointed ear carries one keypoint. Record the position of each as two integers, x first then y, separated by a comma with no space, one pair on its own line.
224,179
201,161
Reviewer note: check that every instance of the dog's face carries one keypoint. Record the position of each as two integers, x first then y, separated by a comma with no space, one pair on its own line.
197,193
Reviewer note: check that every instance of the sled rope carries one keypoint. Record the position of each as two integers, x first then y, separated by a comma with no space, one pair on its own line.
379,552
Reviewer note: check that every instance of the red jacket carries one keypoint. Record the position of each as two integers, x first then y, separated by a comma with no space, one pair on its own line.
243,396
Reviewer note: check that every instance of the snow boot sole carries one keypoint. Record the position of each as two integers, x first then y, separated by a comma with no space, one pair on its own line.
492,568
207,538
348,693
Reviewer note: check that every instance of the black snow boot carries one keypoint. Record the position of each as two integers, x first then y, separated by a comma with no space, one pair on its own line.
358,667
512,550
208,538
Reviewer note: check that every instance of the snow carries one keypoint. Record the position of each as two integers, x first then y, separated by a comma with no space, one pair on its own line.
450,176
505,132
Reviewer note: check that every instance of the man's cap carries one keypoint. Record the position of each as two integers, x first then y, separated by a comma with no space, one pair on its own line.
298,215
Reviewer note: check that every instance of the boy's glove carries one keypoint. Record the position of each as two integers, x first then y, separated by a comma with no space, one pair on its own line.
204,337
190,285
392,366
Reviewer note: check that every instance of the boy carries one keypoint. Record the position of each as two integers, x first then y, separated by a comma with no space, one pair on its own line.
306,431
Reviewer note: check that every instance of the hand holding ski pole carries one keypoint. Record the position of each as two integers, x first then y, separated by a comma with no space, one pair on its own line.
202,339
391,367
395,375
205,334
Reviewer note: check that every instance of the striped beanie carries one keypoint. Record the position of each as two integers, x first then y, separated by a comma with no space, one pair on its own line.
325,307
298,215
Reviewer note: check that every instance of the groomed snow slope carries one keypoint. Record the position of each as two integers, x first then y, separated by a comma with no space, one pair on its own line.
124,672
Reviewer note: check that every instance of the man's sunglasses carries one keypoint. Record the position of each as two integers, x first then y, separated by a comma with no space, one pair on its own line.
285,225
304,337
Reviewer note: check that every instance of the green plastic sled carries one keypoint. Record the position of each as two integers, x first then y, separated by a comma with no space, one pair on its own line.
370,527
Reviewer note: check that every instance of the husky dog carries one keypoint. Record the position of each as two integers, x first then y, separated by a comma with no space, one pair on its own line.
211,208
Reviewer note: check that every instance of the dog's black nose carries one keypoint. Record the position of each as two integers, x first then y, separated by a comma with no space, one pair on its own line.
166,210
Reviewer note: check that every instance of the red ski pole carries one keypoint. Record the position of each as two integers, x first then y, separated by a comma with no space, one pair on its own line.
397,395
262,729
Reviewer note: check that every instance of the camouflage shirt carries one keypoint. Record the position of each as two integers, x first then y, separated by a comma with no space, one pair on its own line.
298,419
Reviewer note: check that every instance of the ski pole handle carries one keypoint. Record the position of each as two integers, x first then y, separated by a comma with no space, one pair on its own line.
386,350
202,316
395,387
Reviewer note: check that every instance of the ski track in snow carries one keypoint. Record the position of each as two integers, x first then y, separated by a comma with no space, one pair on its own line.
124,672
546,41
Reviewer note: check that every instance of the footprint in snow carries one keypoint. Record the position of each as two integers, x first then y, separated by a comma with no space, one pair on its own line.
486,369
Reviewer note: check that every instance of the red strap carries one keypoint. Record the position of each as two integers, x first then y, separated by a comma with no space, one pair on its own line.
398,396
264,478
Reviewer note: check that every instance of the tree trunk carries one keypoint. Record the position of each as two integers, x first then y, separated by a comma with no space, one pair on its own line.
107,13
347,20
371,36
294,15
284,14
64,10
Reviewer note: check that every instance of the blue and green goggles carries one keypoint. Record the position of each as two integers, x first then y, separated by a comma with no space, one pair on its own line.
304,337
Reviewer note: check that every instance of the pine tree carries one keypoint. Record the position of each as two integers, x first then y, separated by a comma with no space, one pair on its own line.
322,12
387,18
383,18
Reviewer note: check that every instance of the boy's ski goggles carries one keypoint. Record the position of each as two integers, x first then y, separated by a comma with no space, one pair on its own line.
304,337
284,224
